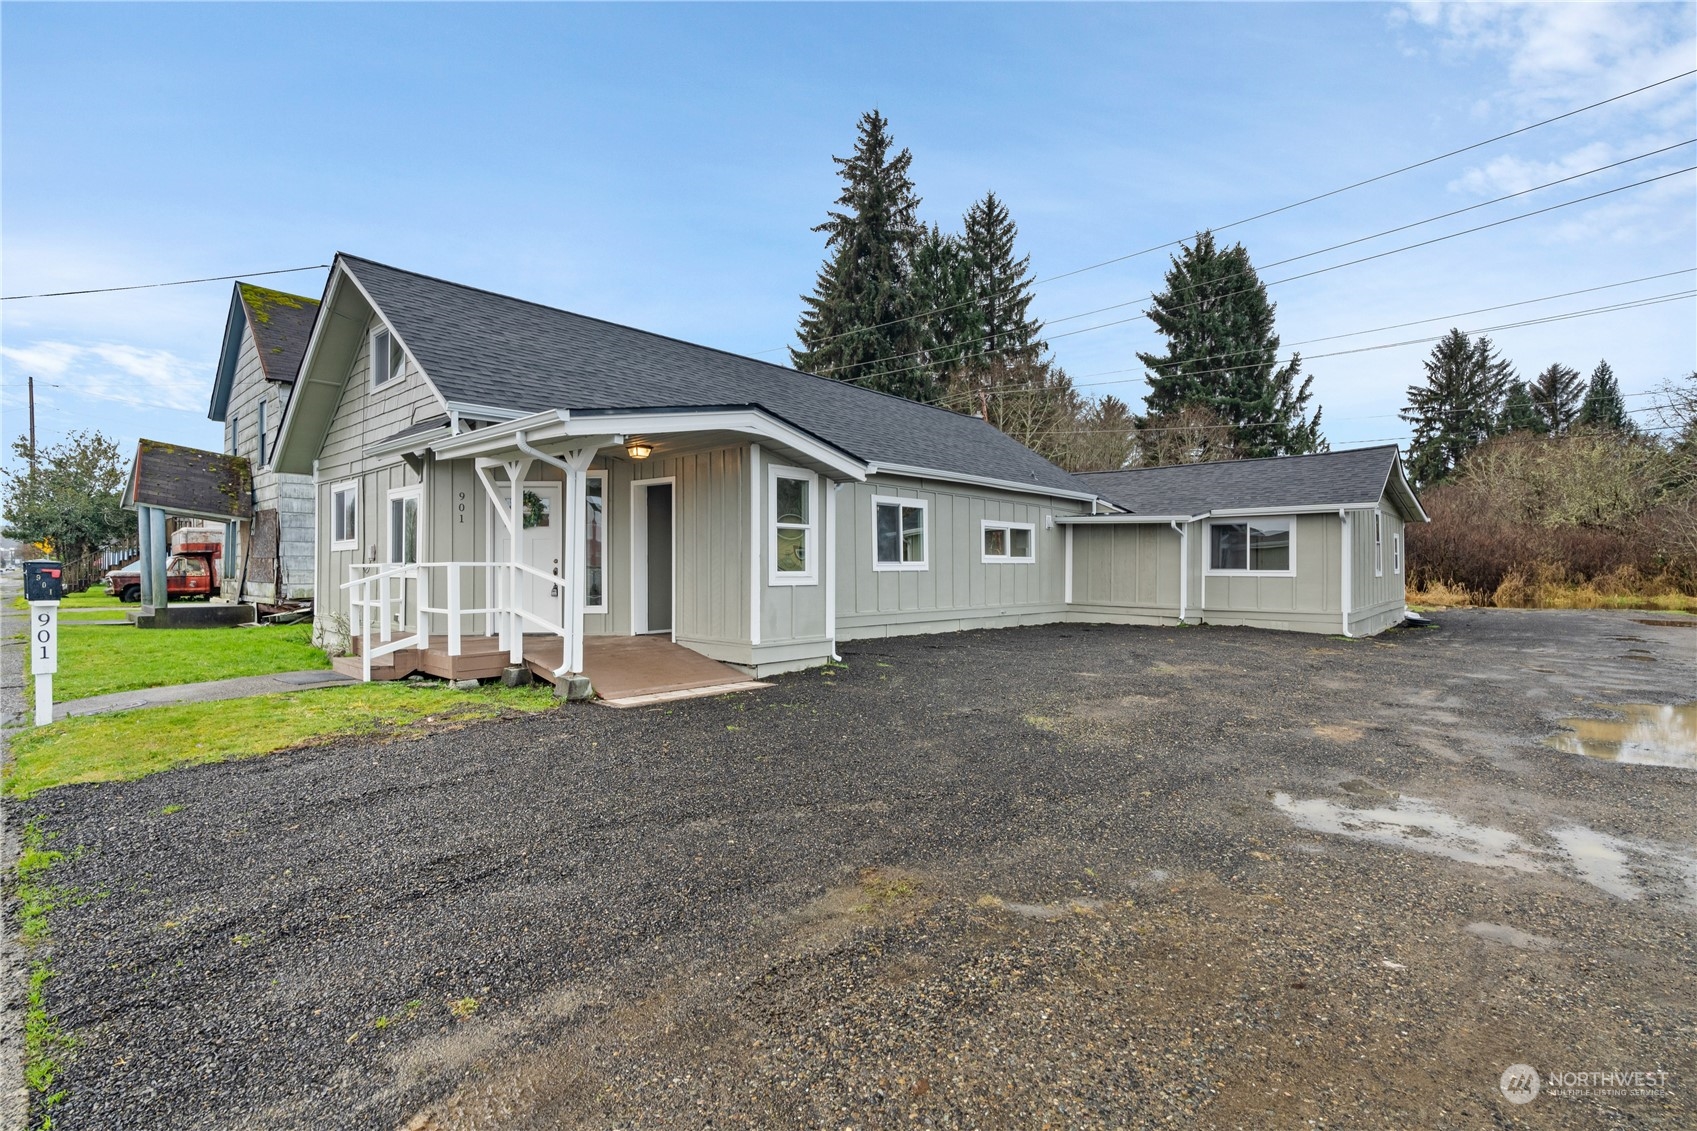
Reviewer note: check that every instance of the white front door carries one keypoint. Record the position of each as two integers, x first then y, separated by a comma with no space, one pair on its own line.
540,548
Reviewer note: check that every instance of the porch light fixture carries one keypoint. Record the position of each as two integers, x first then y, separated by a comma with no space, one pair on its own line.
636,449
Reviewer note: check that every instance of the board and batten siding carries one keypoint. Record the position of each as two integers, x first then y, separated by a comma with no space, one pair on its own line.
1377,598
958,589
1311,600
362,417
1125,573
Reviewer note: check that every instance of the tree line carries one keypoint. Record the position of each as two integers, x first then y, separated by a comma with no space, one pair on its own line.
944,317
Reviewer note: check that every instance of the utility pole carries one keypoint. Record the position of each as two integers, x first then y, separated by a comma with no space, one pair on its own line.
32,425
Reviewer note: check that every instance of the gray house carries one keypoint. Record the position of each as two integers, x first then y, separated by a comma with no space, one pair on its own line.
502,483
1302,543
265,336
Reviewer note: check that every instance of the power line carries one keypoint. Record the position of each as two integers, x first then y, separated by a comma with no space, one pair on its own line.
173,283
1271,211
1293,278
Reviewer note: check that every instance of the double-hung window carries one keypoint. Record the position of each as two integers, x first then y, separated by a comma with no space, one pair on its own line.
1257,546
344,516
899,534
388,359
793,528
403,525
1009,542
595,542
1378,544
1396,553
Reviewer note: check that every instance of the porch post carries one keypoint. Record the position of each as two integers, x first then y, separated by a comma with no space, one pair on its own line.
516,472
144,552
574,571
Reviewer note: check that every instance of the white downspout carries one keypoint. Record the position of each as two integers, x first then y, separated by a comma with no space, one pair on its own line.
829,560
1183,567
754,562
1347,596
1066,596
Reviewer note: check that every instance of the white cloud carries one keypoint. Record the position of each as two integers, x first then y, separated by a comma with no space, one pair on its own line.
129,375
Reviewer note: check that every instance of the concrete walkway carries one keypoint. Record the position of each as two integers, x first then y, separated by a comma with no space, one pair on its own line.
240,688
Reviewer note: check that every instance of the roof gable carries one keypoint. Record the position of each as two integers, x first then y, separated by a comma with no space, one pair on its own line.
280,323
1358,477
479,348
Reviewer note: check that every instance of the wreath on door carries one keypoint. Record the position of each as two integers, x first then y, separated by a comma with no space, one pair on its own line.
535,510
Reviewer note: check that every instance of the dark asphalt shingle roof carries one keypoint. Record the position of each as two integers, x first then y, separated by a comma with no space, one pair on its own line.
282,324
1351,478
488,349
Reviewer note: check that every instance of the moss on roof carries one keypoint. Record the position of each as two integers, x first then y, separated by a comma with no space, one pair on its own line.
261,300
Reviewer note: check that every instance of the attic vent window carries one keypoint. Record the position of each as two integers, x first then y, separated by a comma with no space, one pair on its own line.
388,359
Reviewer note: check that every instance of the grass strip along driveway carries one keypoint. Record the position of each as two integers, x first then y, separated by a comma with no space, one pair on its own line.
100,659
131,744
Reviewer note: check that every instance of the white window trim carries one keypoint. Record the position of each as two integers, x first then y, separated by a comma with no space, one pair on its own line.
1208,548
352,541
374,353
1396,552
1007,558
1378,543
235,433
810,576
606,540
924,508
264,459
416,493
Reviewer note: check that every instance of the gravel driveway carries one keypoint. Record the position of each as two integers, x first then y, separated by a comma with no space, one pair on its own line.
1060,876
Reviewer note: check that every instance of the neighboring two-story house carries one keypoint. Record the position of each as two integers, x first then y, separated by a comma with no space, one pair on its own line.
265,337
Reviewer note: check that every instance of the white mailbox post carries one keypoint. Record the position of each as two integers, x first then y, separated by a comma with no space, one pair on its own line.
43,655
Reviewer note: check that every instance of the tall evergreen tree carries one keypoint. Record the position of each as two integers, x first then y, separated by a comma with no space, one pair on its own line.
1222,353
1001,288
1603,406
945,310
1458,407
858,325
1557,391
1520,412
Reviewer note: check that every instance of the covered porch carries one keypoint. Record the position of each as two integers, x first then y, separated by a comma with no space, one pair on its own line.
557,546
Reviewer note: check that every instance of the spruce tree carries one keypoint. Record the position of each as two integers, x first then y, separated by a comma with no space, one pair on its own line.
1001,288
1222,353
1458,407
1556,392
1603,406
1520,412
858,325
945,310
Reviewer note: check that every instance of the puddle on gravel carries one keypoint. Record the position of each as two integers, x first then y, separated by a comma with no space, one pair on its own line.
1509,936
1623,868
1646,734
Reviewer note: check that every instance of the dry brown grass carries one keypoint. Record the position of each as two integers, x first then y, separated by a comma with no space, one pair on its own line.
1543,587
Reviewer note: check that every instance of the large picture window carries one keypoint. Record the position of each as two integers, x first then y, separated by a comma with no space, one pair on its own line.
595,542
793,534
1009,542
344,516
899,534
403,525
1250,547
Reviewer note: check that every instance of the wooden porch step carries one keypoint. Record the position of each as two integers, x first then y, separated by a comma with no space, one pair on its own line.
396,665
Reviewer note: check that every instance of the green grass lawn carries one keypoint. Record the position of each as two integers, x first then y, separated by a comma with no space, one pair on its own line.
92,598
97,660
133,744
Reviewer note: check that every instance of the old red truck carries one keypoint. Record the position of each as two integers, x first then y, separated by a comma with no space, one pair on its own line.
191,571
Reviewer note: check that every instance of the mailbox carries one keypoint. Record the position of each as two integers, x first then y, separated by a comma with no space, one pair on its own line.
44,581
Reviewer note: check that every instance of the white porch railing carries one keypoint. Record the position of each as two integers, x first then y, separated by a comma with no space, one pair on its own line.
378,599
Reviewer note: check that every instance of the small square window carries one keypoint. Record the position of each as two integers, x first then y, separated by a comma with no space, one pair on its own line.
898,533
1010,542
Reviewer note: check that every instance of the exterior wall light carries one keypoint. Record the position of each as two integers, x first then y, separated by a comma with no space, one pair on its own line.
636,449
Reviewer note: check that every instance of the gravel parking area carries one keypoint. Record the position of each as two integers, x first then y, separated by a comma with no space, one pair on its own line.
1064,876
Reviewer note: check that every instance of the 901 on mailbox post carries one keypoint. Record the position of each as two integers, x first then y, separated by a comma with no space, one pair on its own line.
44,587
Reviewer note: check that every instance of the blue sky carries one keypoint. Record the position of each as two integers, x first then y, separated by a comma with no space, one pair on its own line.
662,166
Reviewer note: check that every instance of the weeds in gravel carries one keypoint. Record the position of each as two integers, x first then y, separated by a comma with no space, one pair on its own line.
45,1044
463,1008
133,744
